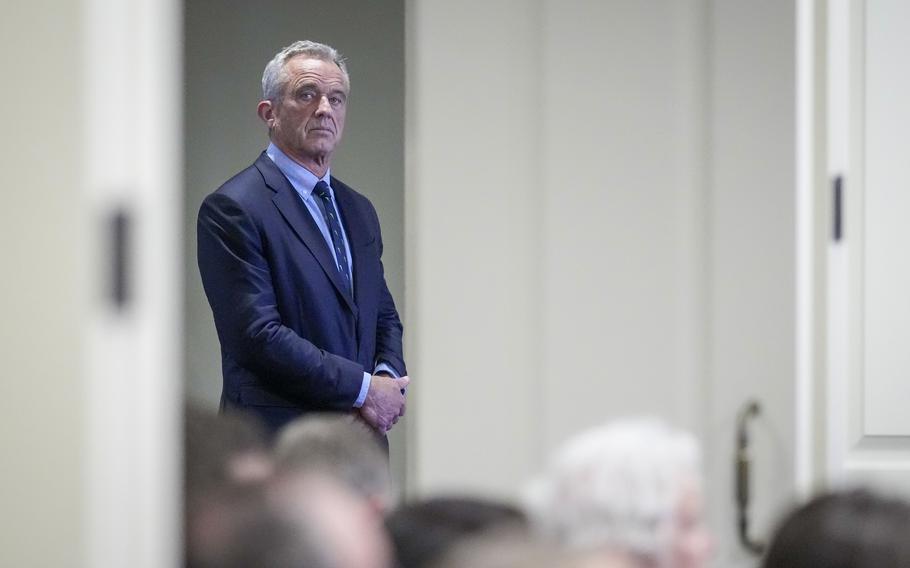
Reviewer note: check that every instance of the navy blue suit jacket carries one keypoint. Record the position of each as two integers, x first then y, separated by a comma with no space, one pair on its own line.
292,338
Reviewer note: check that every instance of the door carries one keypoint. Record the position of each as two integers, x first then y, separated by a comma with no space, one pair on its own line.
868,364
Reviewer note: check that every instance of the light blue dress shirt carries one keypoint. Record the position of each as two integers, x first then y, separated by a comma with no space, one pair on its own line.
303,181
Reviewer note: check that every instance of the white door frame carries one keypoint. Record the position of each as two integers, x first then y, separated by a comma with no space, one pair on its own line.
132,168
809,216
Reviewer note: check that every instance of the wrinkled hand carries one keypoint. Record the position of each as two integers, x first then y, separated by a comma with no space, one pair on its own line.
385,402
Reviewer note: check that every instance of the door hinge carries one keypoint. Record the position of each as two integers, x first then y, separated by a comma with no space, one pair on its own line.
119,281
837,232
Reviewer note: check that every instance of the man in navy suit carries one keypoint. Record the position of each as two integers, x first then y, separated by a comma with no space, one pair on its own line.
290,262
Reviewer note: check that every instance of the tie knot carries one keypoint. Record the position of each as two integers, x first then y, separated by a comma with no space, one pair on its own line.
322,190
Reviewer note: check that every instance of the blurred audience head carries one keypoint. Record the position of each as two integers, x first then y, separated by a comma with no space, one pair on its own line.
304,521
633,487
422,532
346,527
851,529
341,447
222,449
521,550
212,520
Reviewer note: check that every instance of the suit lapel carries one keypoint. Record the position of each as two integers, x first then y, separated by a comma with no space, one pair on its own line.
298,217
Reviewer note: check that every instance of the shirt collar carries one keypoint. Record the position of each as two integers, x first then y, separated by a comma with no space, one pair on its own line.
301,178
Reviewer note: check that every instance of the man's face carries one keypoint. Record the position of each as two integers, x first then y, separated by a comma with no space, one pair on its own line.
692,544
308,119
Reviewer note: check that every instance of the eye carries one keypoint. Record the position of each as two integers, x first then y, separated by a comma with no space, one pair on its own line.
306,95
336,100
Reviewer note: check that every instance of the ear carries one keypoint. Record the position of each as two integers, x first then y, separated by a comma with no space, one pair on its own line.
379,505
266,112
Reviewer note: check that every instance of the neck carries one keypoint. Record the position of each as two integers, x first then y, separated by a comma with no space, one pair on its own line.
318,165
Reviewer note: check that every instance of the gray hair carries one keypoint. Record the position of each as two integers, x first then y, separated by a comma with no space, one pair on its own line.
342,448
274,538
505,549
273,78
617,486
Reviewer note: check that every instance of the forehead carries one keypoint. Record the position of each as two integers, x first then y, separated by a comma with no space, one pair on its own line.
307,69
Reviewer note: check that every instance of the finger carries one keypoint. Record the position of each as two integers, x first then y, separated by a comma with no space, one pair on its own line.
371,417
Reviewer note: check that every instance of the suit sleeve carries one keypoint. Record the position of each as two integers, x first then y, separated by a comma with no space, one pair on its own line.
388,324
237,281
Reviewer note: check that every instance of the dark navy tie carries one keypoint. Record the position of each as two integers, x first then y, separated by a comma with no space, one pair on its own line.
328,213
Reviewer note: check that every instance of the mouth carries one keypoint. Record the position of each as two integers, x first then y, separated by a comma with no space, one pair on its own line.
321,129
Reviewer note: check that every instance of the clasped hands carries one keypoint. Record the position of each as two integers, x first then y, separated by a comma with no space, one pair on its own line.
385,402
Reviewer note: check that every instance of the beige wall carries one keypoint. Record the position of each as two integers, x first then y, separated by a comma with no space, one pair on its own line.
752,252
554,215
42,407
473,242
600,222
623,212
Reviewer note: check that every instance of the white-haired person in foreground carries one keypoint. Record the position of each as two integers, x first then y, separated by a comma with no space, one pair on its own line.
630,487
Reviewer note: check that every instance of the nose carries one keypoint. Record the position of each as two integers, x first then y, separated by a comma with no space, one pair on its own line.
324,106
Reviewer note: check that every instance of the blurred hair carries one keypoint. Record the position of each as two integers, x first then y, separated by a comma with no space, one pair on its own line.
424,531
618,486
339,446
270,539
346,526
852,529
212,442
274,76
520,550
238,527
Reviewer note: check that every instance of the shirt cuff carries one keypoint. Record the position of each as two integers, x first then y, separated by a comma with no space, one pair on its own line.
364,389
383,366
